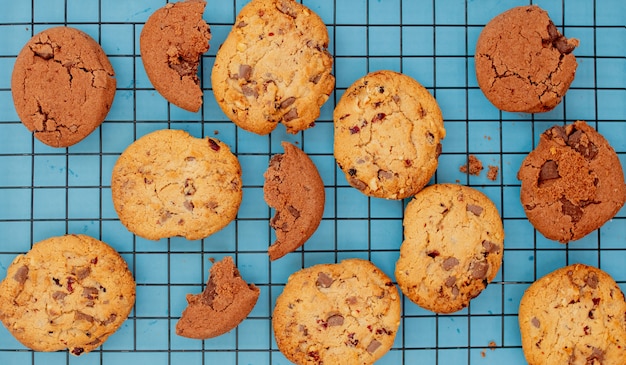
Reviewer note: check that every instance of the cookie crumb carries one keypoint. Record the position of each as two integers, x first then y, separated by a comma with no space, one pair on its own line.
216,132
473,167
492,173
492,345
483,353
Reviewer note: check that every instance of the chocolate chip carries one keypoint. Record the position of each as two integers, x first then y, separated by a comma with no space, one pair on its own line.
450,281
323,280
183,67
596,354
90,293
245,72
316,78
77,351
477,210
385,175
549,171
378,117
80,316
249,91
241,24
214,146
592,280
479,269
568,208
455,291
433,254
354,130
314,355
58,295
302,328
583,146
553,32
352,172
438,149
373,346
290,115
82,272
294,212
21,274
563,46
287,102
449,263
491,247
286,7
110,320
535,322
557,132
188,205
335,320
358,184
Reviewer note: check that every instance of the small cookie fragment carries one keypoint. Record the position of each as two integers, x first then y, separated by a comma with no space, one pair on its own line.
345,313
388,130
573,315
69,292
473,167
171,43
294,188
62,85
225,302
169,183
492,172
523,63
452,249
572,182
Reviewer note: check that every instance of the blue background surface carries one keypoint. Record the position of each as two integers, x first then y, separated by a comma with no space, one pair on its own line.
48,192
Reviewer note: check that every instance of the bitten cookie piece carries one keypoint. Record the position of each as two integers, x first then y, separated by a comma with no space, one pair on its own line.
274,67
168,183
171,43
523,63
572,182
452,247
67,292
574,315
62,85
226,302
346,313
388,129
293,187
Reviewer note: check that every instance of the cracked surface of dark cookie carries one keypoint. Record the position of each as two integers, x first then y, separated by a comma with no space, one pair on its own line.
345,313
452,248
171,43
294,188
388,130
575,315
69,292
225,302
572,182
169,183
63,86
274,67
523,63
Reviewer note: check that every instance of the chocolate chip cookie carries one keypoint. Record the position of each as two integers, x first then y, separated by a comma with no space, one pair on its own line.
62,85
452,248
572,182
274,67
523,63
574,315
345,313
68,292
168,183
171,43
388,130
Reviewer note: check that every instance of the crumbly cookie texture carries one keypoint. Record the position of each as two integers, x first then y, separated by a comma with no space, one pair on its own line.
171,43
452,249
63,86
572,182
388,130
523,63
345,313
169,183
575,315
293,187
226,302
274,67
68,292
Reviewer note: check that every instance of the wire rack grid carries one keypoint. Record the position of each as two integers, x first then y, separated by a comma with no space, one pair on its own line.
47,192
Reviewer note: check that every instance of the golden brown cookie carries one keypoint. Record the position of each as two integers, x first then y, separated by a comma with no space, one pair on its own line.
274,67
169,183
171,43
63,86
523,63
452,248
388,129
68,292
575,315
294,188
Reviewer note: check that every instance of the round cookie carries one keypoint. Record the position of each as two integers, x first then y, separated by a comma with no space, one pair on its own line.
452,248
345,313
68,292
572,182
294,188
388,129
574,315
62,85
274,67
168,183
523,63
171,43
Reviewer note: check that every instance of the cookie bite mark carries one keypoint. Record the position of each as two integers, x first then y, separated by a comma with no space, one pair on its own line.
294,188
225,302
172,43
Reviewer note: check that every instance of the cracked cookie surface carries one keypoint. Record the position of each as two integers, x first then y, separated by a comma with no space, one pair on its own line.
523,63
274,67
171,43
575,315
572,182
345,313
388,130
63,86
68,292
169,183
452,249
